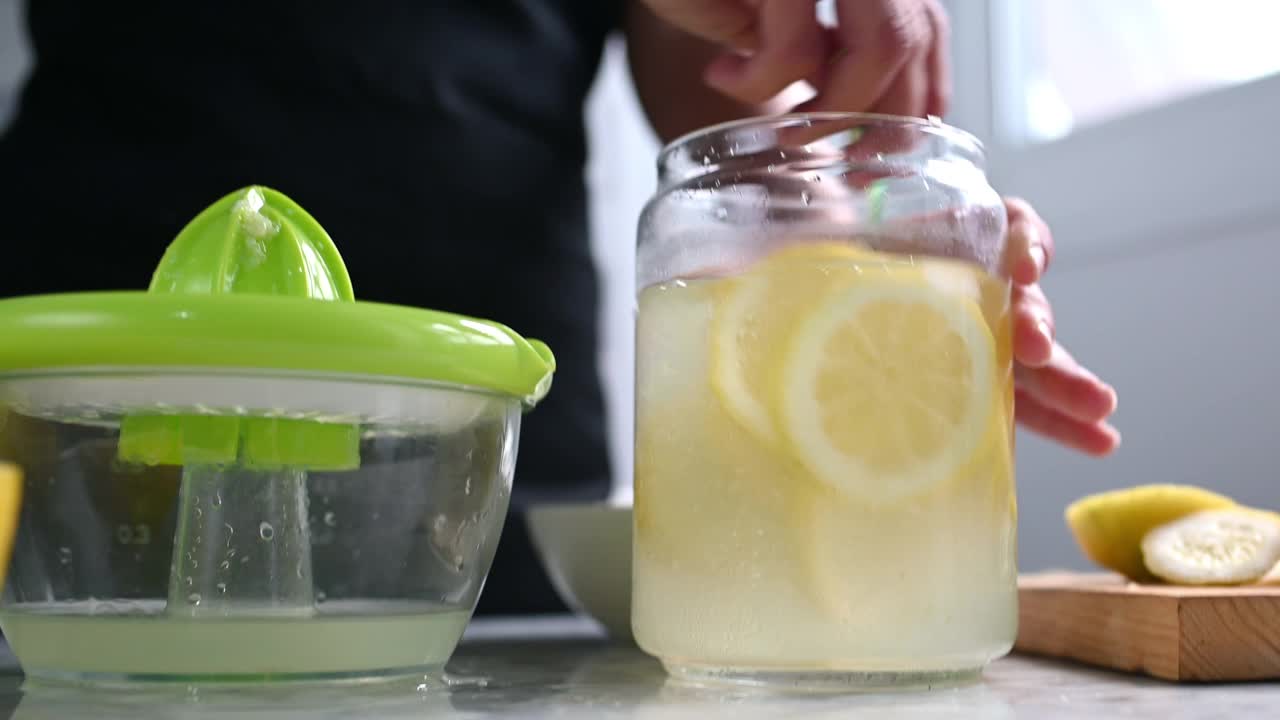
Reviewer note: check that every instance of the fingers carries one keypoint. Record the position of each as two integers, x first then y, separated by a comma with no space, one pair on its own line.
792,46
880,40
939,62
729,23
908,94
923,86
1096,439
1030,246
1033,328
1067,387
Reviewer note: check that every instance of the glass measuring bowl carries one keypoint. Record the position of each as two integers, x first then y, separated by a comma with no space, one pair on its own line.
824,485
244,474
127,571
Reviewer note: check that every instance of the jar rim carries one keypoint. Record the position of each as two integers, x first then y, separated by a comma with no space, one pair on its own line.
932,125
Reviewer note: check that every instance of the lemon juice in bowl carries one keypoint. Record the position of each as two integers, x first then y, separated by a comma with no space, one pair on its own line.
824,491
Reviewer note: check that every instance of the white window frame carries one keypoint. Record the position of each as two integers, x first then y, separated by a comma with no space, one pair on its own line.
1122,185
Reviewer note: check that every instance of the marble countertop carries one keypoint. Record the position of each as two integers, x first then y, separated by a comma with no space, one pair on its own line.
564,668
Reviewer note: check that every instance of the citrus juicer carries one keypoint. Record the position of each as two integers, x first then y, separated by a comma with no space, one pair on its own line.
244,473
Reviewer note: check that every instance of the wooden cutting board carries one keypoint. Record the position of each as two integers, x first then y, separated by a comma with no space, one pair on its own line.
1174,633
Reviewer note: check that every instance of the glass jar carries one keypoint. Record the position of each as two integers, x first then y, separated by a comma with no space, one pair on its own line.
824,490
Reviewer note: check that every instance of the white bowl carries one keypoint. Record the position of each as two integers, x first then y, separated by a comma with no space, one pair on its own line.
587,552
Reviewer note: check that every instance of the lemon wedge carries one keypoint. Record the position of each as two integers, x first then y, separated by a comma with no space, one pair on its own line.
1109,526
1214,547
888,385
755,316
10,505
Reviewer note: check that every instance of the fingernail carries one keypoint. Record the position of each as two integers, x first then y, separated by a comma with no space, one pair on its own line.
1038,257
1115,434
1042,326
1114,398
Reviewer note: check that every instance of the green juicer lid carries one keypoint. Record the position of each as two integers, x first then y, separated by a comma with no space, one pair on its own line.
255,283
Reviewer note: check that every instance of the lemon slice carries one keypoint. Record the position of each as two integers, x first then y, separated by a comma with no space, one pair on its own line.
1214,547
755,315
888,385
704,489
1109,526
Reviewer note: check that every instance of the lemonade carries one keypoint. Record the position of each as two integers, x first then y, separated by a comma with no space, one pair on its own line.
345,639
824,479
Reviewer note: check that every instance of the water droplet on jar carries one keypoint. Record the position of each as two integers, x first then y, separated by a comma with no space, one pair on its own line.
320,596
771,167
805,198
466,487
225,565
721,213
244,559
217,499
706,160
194,598
199,512
64,555
189,581
330,519
222,587
266,532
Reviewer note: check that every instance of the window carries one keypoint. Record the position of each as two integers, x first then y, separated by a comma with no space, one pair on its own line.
1127,122
1077,63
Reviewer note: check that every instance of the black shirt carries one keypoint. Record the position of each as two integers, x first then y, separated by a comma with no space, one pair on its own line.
440,143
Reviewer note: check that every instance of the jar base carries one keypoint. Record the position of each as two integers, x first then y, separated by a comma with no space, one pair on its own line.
822,680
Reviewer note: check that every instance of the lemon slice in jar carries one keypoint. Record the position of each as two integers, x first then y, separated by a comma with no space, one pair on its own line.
887,385
755,315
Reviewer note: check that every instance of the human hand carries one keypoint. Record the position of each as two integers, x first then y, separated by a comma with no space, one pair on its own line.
1055,396
885,56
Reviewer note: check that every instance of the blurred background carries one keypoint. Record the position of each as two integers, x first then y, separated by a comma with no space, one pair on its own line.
1143,131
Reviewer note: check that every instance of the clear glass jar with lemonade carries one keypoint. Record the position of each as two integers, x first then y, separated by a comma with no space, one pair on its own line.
824,487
